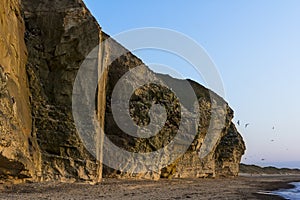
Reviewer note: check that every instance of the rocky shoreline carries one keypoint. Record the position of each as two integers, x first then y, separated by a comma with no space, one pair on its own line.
242,187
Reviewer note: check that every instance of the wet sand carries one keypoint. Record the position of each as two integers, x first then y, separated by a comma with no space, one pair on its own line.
243,187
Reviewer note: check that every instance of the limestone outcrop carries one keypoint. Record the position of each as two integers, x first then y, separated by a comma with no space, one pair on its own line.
42,46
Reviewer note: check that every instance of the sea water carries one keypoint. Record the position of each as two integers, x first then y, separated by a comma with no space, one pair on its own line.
292,194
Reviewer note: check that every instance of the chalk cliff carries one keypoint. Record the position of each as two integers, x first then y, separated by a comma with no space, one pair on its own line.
42,46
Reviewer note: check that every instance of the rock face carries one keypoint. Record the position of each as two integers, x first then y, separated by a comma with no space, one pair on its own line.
42,46
59,35
215,116
229,152
16,158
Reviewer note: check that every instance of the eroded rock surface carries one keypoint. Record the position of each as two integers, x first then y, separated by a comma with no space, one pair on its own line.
214,129
59,35
16,156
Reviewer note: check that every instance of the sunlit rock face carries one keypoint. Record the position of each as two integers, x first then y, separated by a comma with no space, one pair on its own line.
42,46
16,151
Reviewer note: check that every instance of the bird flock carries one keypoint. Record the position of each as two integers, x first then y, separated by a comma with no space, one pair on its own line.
245,126
239,123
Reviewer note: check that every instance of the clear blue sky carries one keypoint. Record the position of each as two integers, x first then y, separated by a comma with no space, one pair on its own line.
256,48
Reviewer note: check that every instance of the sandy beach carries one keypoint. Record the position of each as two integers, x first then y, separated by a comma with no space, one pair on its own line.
243,187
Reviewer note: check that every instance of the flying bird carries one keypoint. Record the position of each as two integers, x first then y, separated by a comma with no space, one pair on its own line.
273,127
272,140
263,159
238,122
246,125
